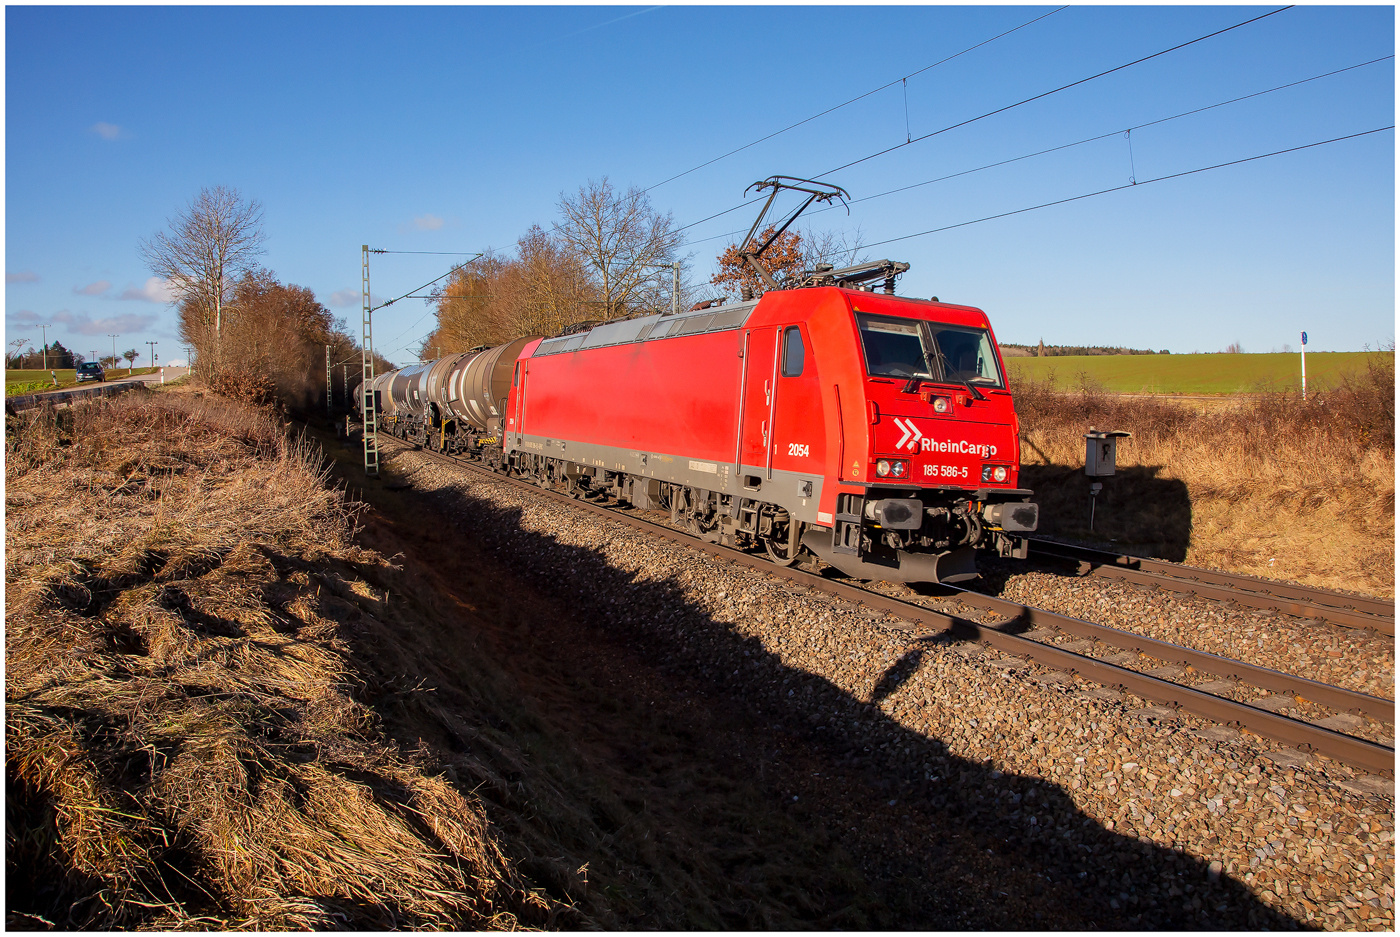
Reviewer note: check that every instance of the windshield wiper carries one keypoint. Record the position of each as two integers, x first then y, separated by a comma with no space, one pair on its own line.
946,377
974,391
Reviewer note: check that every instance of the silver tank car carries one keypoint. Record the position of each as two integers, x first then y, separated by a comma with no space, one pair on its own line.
456,403
477,386
383,403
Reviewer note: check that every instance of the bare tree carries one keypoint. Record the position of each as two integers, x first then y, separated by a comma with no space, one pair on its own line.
619,239
470,309
208,247
554,289
828,247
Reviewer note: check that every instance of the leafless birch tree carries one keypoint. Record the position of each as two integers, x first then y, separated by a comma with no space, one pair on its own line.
619,239
208,247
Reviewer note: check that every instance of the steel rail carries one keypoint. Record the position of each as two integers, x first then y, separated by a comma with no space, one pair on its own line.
1351,611
1361,753
1324,694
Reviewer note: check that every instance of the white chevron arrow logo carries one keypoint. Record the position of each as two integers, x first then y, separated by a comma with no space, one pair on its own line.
911,434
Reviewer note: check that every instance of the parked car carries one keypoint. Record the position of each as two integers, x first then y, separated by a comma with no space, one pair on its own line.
91,371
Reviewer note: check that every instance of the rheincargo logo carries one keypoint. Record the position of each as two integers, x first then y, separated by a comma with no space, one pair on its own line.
984,450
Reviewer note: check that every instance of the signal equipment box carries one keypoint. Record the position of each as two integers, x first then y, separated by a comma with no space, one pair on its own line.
1101,452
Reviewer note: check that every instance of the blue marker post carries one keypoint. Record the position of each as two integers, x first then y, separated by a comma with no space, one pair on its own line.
1303,353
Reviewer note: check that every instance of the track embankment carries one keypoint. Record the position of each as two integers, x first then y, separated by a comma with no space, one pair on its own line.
938,765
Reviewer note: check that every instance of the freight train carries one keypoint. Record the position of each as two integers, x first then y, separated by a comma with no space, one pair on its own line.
872,430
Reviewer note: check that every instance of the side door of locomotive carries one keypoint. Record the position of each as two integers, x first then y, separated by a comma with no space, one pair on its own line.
756,402
516,419
799,433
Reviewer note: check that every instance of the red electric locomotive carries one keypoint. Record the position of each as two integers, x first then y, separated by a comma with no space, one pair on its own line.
873,430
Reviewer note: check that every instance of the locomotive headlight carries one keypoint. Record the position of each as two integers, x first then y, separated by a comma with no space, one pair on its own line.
891,468
941,405
995,473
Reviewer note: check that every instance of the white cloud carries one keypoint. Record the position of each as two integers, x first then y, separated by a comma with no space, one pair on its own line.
93,289
155,290
23,276
349,298
343,298
106,131
84,324
427,222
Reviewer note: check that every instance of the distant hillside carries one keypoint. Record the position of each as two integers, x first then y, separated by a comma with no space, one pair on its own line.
1043,350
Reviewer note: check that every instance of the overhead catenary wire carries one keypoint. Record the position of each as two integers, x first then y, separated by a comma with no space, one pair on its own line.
1017,104
1046,94
859,97
1131,185
408,294
1077,198
1111,133
438,253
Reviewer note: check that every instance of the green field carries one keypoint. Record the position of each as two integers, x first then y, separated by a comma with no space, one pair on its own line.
1191,374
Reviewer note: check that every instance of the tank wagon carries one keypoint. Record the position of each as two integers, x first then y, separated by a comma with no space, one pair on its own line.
873,430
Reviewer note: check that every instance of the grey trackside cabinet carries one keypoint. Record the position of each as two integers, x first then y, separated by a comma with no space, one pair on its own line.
1101,452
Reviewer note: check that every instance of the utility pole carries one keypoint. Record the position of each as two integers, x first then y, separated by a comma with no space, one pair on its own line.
45,329
345,384
153,352
371,414
328,380
114,347
675,283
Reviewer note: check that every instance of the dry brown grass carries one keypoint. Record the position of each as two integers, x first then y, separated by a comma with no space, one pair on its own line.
1270,486
186,740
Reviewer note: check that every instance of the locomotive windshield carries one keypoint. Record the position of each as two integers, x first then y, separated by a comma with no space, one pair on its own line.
913,348
966,354
895,347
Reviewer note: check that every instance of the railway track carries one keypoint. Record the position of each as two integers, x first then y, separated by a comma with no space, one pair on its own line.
1027,632
1352,611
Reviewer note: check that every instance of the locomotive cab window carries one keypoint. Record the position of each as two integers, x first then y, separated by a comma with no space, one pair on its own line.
966,354
794,353
932,351
894,347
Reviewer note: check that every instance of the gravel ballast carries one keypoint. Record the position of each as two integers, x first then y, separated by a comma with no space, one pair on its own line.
1090,781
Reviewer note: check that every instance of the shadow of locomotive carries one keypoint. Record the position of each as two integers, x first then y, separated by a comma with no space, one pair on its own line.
955,846
1137,510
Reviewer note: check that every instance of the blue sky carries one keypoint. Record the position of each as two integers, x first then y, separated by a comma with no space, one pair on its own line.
456,128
